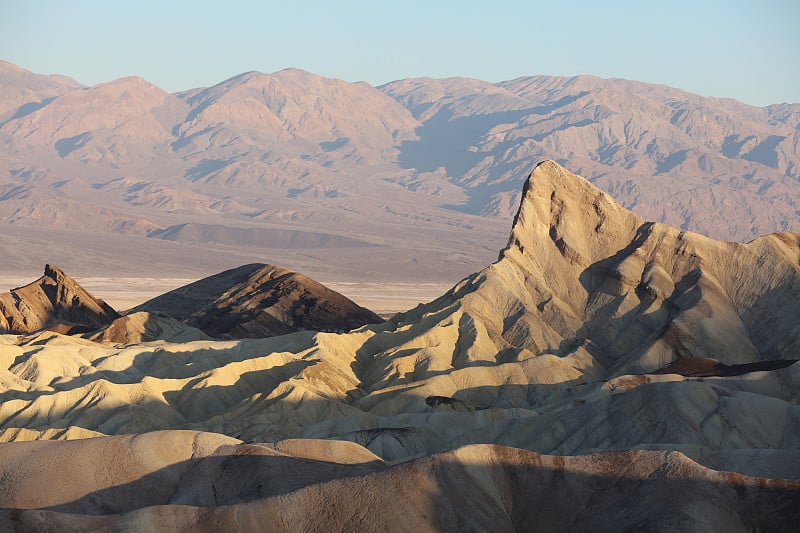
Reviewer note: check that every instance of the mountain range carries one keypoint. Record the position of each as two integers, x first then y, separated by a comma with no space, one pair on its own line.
415,179
605,372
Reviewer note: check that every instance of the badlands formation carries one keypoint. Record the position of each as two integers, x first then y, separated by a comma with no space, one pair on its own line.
606,373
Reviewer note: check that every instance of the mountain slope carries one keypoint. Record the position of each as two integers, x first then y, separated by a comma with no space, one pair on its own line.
259,300
295,151
55,299
22,92
642,143
118,122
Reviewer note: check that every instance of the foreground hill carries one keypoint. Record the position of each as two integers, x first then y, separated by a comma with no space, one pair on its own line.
200,481
261,160
658,366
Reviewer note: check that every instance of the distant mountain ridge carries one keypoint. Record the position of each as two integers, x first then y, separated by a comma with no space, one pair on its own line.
438,163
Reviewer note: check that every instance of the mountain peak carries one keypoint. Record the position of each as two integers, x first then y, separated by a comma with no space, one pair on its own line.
130,83
55,273
561,209
260,300
54,300
580,272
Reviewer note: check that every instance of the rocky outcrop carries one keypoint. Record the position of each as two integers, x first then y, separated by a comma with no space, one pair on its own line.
581,277
259,300
53,301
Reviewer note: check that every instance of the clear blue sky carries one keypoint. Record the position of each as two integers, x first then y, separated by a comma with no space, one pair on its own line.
743,49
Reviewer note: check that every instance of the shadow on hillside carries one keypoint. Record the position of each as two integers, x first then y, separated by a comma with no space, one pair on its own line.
244,473
202,403
450,141
68,145
444,139
773,323
499,490
612,332
568,417
28,108
769,319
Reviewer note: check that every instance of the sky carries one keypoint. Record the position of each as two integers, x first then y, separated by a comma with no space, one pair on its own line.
743,49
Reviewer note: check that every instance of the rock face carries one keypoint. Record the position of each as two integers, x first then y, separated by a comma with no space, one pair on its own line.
54,300
583,275
618,372
259,300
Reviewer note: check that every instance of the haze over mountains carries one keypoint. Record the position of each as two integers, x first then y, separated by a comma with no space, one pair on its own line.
417,179
656,370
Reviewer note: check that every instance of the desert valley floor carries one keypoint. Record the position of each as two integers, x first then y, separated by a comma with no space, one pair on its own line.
605,373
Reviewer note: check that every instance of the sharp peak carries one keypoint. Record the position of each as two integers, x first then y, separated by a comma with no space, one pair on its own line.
559,206
563,184
551,173
53,272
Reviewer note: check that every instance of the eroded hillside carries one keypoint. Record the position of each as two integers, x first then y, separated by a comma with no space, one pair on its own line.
654,368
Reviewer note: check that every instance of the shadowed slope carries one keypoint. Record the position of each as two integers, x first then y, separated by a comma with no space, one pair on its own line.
229,486
260,300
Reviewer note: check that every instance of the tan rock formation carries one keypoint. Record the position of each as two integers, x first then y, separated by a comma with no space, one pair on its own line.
141,327
53,300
